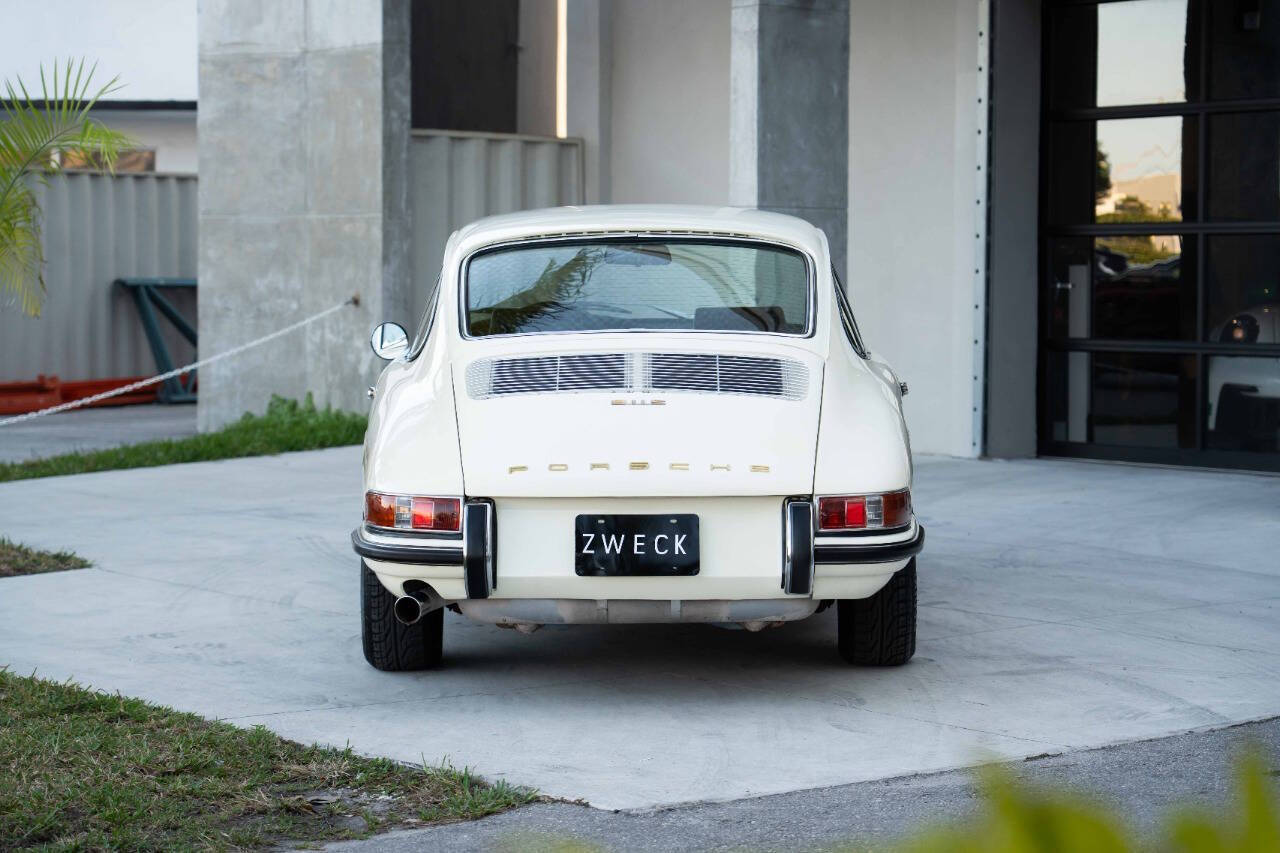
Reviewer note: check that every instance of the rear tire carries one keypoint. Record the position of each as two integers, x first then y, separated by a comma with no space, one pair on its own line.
880,630
389,645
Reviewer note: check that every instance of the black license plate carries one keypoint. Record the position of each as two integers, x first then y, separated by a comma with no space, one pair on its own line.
635,545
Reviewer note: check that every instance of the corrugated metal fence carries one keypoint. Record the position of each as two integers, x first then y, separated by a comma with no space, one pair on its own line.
459,176
98,228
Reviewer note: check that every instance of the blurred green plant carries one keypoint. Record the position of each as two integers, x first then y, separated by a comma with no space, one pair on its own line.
33,135
1020,818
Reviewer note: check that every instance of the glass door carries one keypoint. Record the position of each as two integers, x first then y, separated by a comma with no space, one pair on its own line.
1160,232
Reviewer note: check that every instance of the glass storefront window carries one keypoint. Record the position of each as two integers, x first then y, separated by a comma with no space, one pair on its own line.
1123,399
1244,49
1123,170
1243,404
1243,284
1114,54
1124,287
1244,166
1142,52
1139,176
1160,296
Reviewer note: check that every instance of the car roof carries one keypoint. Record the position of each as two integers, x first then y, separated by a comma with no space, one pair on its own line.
631,218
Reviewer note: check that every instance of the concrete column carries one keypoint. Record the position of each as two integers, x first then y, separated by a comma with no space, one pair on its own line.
536,69
587,60
789,119
1013,272
303,134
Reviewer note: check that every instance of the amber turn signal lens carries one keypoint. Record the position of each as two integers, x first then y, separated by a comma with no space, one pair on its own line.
379,509
413,512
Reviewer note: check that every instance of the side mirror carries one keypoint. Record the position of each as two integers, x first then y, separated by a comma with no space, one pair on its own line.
389,341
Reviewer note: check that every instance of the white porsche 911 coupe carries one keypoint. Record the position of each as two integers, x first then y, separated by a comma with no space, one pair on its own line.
625,414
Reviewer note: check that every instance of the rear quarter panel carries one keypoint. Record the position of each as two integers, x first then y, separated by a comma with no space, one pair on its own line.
411,446
863,444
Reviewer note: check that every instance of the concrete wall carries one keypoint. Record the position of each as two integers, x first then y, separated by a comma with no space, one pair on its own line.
670,100
170,133
304,138
588,81
789,130
536,69
916,207
97,228
1013,288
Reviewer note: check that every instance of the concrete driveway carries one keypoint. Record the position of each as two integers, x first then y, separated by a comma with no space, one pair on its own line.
82,430
1063,605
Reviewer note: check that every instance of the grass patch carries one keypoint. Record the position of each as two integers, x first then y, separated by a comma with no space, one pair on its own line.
18,559
84,769
287,425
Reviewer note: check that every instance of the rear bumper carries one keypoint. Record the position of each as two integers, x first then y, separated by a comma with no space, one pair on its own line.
432,552
744,555
854,553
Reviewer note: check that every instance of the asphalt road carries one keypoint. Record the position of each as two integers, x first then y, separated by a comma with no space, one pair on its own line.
1145,781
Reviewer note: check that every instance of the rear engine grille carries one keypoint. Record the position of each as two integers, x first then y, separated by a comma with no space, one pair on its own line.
706,373
491,377
727,374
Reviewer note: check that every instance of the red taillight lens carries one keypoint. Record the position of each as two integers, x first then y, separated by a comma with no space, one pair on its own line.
886,510
897,508
410,512
830,513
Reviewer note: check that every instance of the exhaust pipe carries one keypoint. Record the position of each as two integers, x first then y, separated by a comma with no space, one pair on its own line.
408,610
416,603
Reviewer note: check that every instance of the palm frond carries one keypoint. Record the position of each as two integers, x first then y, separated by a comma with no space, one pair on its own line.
32,136
21,258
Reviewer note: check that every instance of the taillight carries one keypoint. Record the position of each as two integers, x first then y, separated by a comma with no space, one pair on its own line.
412,512
883,511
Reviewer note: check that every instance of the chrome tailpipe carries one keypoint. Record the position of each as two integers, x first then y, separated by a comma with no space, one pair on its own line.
410,608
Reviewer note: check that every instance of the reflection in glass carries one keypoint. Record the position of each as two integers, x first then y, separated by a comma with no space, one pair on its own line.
1139,170
1244,166
1244,404
1141,50
1244,49
1124,53
1130,399
625,285
1243,283
1123,287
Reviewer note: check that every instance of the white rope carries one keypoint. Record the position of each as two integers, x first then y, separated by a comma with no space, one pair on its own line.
178,371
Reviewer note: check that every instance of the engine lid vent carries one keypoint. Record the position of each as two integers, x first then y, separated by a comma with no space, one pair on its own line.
727,374
706,373
491,377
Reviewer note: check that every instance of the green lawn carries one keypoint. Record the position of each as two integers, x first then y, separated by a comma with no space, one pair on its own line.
18,559
82,769
287,425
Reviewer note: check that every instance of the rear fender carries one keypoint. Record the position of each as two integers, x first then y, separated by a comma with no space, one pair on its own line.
411,446
863,445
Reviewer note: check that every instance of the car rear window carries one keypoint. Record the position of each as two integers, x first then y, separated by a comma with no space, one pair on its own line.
629,285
